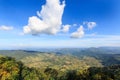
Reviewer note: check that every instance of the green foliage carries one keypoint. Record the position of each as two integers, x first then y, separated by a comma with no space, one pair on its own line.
81,65
10,69
60,62
93,57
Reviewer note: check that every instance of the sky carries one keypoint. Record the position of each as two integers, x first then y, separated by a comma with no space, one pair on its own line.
59,23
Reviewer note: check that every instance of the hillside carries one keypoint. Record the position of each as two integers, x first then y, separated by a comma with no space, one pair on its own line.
60,62
57,61
93,57
10,69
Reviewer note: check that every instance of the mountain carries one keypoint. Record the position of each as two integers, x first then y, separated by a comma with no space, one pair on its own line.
104,56
57,61
10,69
60,64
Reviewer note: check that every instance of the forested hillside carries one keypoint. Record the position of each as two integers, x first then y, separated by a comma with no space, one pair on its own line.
60,64
54,60
10,69
92,56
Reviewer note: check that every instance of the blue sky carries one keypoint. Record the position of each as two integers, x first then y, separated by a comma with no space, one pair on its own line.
73,23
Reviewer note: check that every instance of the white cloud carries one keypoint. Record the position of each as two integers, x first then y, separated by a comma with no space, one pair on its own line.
91,25
48,21
6,28
66,28
79,33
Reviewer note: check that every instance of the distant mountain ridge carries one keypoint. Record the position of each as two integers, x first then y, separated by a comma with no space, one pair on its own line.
105,55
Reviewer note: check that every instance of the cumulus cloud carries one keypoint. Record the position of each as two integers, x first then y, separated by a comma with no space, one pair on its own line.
6,28
91,25
48,20
79,33
66,28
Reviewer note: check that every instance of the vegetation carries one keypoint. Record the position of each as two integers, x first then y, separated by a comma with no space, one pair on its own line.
60,64
57,60
10,69
93,57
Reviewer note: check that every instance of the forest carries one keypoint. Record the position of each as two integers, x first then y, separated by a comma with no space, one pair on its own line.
10,69
60,64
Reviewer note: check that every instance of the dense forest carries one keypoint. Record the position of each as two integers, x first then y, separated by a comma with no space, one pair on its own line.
60,64
10,69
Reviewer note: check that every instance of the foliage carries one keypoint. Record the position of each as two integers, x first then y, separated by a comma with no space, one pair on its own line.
10,69
92,57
